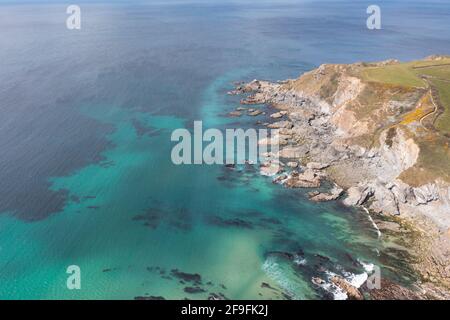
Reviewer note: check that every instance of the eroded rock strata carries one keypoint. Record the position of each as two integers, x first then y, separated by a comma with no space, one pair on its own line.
374,135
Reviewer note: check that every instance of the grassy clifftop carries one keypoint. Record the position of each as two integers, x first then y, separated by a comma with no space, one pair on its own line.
432,113
369,99
432,73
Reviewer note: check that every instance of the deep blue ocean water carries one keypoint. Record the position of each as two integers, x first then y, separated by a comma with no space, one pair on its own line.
85,172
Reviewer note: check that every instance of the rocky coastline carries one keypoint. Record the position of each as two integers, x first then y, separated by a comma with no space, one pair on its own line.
329,131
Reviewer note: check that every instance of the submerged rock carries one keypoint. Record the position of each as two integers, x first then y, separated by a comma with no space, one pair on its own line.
149,298
235,114
188,277
215,296
265,285
193,290
234,222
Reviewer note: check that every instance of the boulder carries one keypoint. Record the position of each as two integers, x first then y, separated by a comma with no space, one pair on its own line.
280,179
281,125
291,152
303,115
307,179
317,165
401,192
292,164
254,113
285,131
425,194
352,292
390,290
253,86
385,200
307,175
318,281
257,98
334,194
358,195
270,169
269,141
278,115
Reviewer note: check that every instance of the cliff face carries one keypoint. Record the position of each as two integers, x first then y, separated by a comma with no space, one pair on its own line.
380,132
386,120
375,124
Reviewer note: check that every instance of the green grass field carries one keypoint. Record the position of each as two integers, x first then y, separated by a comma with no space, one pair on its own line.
409,75
434,158
399,74
440,79
443,122
441,72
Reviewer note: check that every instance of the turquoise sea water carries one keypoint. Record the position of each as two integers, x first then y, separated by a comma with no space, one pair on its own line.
86,177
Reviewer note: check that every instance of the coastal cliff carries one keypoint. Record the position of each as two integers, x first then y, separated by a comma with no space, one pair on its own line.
381,133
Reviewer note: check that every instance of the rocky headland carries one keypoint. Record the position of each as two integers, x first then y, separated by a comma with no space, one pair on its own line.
379,134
